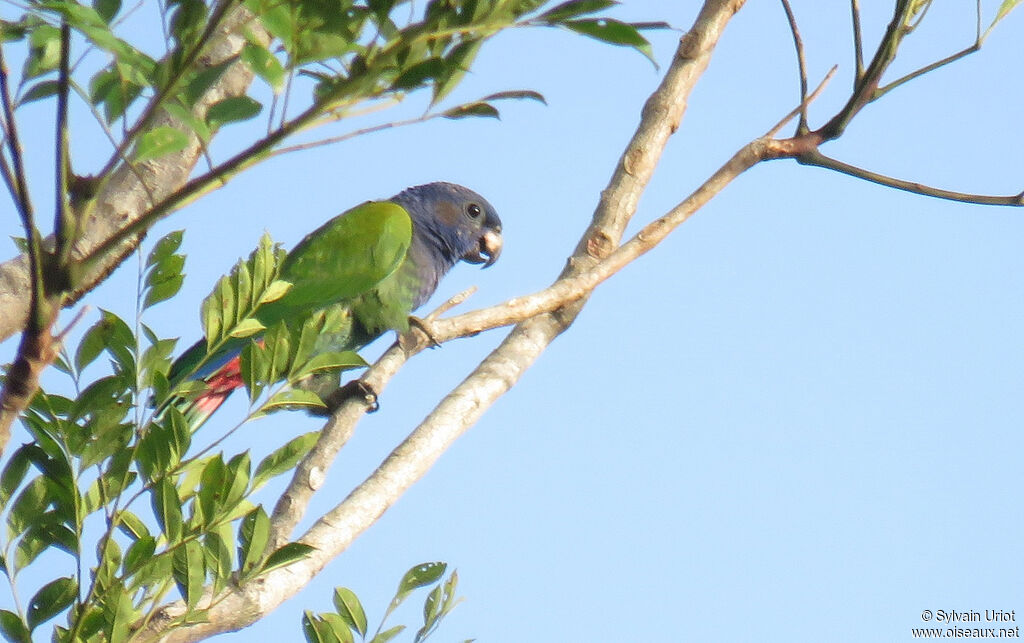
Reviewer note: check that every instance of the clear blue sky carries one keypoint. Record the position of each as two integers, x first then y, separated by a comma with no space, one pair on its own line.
799,419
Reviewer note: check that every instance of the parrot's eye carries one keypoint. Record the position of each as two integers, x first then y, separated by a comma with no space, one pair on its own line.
473,210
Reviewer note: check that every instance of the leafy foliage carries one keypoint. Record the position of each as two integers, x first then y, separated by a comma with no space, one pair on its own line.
177,517
349,619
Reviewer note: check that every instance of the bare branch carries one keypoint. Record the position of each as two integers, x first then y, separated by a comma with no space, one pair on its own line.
858,43
802,107
798,43
818,159
63,224
881,91
11,137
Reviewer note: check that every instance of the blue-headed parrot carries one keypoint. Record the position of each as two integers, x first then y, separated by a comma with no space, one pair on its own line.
379,261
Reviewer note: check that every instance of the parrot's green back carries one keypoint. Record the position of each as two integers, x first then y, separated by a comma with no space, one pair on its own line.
342,260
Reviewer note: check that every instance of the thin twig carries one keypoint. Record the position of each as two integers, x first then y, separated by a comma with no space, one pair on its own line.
820,160
22,200
113,141
798,43
356,133
881,91
858,43
63,225
802,107
864,89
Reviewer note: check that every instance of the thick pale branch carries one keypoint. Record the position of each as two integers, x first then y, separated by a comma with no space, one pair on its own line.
310,473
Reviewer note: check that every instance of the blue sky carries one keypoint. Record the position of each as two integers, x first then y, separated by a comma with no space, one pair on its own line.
798,419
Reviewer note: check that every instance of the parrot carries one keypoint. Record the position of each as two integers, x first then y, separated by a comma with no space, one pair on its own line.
378,262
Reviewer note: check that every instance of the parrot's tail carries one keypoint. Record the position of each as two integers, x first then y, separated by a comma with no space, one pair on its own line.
219,386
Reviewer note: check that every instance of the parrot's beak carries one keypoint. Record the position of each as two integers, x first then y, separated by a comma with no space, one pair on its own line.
489,249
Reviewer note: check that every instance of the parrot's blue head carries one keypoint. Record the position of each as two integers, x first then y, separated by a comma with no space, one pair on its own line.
454,222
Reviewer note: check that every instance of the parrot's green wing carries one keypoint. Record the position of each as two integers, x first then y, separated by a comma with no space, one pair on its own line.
342,259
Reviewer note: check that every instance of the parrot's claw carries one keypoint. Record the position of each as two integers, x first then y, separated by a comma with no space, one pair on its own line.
422,325
357,389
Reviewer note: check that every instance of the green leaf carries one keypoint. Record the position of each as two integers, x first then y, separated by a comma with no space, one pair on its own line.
284,459
90,347
293,398
237,479
612,31
418,576
165,247
30,504
350,609
164,270
275,291
265,65
113,91
1004,9
338,627
139,553
431,613
160,141
318,630
131,525
39,91
13,628
43,52
233,109
516,94
449,601
472,109
106,9
14,472
211,489
387,635
219,559
253,535
286,555
204,80
188,571
247,328
574,8
458,63
48,532
420,73
167,508
51,600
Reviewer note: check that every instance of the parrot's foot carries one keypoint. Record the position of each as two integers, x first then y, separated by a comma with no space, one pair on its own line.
422,325
356,389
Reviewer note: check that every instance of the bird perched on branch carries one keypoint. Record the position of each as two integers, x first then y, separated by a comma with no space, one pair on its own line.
378,262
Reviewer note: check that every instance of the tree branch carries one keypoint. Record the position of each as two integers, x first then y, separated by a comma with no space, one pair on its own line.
858,44
818,159
63,223
798,43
